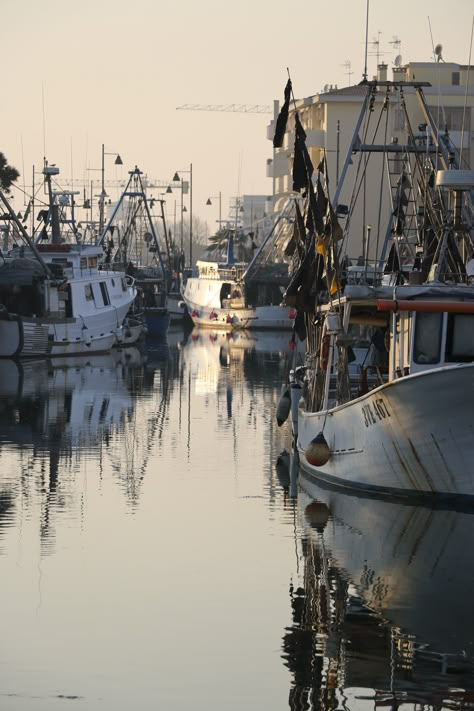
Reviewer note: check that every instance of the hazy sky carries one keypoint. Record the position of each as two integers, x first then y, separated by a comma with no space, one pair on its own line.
79,75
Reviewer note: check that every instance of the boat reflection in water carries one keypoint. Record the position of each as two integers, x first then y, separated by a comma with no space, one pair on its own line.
382,614
64,402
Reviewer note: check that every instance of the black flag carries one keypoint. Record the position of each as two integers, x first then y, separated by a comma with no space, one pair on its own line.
282,118
302,165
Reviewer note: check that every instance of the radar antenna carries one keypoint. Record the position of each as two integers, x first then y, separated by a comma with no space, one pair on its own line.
438,52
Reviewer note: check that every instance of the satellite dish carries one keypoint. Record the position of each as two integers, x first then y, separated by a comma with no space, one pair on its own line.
398,60
438,50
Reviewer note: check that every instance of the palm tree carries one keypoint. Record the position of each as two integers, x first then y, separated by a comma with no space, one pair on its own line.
8,174
244,244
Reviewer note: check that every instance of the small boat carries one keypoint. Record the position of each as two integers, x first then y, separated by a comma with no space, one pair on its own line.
388,386
231,295
54,299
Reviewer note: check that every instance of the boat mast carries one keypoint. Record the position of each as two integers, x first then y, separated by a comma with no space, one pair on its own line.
280,216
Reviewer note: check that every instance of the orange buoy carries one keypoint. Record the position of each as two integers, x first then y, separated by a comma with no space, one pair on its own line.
317,452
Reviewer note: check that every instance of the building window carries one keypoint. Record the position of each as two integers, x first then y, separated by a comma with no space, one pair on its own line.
454,118
456,78
399,120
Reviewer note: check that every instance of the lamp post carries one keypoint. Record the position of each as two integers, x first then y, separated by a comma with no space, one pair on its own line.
103,194
176,179
209,202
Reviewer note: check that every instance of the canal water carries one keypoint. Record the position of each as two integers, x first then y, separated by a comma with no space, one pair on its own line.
159,548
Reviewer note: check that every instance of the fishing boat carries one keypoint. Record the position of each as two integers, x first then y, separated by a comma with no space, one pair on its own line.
388,383
54,298
232,294
131,243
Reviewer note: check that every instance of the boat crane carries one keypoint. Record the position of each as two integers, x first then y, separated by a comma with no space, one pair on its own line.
236,108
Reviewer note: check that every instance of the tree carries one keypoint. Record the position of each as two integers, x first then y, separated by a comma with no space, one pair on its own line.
244,243
8,174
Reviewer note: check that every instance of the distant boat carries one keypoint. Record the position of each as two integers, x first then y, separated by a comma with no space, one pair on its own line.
248,295
401,422
54,300
131,243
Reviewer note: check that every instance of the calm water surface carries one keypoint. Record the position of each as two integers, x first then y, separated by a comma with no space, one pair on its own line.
159,550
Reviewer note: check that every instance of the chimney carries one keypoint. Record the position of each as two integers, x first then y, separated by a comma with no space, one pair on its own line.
382,72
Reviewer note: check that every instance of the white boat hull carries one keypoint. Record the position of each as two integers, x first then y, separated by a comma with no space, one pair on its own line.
413,436
272,318
210,304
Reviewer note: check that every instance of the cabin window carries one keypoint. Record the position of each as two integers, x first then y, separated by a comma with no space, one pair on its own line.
124,284
92,261
456,78
427,345
65,263
83,263
88,292
105,293
460,338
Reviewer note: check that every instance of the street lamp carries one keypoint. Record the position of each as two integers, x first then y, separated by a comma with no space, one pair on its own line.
209,202
176,179
103,195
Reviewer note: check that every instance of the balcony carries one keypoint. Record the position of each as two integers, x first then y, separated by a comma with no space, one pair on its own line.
280,166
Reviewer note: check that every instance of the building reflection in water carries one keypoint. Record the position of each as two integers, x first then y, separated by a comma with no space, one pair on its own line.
381,613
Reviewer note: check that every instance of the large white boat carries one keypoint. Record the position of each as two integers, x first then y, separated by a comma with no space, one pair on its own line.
230,295
400,421
54,299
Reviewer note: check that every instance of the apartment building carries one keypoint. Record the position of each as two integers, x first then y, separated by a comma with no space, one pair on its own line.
329,119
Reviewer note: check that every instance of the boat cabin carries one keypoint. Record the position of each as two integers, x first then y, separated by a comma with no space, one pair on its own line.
419,330
431,338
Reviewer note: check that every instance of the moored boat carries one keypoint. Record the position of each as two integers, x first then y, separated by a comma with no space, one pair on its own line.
231,294
399,422
55,300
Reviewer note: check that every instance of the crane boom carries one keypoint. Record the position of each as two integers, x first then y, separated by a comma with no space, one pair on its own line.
238,108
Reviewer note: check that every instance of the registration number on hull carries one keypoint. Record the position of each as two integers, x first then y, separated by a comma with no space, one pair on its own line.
375,411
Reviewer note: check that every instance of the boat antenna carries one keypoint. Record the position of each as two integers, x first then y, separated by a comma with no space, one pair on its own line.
44,121
292,92
364,77
465,95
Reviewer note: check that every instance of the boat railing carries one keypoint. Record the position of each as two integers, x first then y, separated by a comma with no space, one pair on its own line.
368,272
221,273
